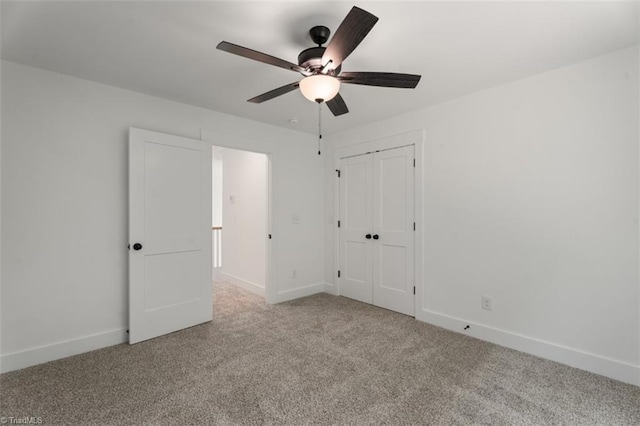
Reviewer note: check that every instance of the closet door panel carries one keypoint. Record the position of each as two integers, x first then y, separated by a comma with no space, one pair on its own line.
393,218
356,222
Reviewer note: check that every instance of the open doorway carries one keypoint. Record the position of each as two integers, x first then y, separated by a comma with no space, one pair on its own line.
240,200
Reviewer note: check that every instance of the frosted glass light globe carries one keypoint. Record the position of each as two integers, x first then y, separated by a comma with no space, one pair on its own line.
320,87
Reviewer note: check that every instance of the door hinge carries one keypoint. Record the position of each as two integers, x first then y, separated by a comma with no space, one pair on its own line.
338,224
338,274
414,162
338,172
414,226
128,246
414,289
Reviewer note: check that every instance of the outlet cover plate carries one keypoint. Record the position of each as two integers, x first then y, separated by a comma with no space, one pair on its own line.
487,303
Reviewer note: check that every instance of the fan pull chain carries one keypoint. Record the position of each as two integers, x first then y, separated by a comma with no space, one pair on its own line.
319,125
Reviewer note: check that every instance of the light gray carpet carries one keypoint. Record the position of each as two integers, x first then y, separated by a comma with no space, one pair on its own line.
318,360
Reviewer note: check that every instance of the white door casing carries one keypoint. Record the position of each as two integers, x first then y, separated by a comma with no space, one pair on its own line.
376,235
170,217
269,148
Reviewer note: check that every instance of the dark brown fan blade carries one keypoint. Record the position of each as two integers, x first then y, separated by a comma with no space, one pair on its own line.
274,93
258,56
337,105
348,36
383,79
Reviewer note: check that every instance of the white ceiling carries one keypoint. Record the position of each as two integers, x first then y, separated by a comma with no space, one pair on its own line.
167,49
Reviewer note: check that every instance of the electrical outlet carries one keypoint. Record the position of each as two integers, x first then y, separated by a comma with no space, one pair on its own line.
487,303
294,274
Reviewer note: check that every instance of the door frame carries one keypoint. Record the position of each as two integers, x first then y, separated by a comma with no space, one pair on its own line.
230,141
415,138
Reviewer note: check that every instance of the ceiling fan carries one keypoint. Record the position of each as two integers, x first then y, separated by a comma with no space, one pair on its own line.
321,66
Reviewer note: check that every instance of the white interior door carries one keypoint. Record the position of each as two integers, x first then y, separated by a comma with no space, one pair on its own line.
393,219
377,229
355,223
169,234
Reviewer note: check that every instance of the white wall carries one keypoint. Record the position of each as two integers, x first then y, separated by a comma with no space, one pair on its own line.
1,328
216,187
1,292
531,197
64,207
244,207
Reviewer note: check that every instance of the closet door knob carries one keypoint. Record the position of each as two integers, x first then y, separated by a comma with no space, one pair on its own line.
375,237
368,236
137,246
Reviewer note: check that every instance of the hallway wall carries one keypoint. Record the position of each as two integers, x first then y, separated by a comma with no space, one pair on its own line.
244,212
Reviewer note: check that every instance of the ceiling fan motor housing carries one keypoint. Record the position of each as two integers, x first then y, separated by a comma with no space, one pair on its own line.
311,58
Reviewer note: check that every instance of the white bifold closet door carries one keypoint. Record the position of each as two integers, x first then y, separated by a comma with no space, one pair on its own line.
377,229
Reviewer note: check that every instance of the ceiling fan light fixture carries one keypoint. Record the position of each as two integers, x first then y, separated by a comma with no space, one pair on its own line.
319,87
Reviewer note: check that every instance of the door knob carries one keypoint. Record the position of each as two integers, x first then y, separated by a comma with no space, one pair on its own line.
368,236
375,237
137,246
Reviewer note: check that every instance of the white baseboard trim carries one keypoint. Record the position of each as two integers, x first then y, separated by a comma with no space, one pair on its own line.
41,354
614,369
330,288
247,285
297,293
